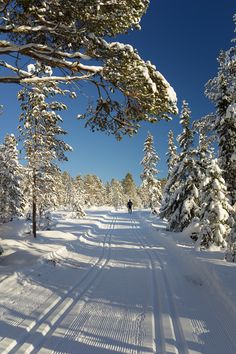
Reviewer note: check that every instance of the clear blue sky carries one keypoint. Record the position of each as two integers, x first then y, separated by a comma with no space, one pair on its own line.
183,39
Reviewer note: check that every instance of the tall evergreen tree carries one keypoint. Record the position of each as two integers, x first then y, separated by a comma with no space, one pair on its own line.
182,204
172,155
215,208
172,160
41,133
221,90
150,184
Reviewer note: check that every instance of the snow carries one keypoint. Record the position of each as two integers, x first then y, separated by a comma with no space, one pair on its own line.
114,282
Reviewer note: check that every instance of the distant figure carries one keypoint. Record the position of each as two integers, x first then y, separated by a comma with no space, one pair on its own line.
129,206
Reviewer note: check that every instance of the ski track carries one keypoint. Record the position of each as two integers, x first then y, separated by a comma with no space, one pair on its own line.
53,313
81,320
167,327
223,341
94,324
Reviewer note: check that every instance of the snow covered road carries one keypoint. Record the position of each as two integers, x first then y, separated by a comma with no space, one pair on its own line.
112,283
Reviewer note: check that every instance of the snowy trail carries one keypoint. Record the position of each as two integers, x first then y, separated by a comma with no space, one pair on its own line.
115,284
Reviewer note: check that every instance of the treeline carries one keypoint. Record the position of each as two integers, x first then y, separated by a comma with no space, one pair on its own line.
55,189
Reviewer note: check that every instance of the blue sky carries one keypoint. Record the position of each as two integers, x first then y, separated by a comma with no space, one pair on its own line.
183,39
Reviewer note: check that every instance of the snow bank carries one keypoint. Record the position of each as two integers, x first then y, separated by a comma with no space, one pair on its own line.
14,229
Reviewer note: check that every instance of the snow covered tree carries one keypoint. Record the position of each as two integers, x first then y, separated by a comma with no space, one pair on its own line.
75,36
41,134
79,195
108,199
117,194
182,201
231,240
150,184
221,90
65,189
130,190
172,155
12,199
215,208
95,193
172,160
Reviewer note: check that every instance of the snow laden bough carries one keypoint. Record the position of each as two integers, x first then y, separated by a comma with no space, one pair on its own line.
69,35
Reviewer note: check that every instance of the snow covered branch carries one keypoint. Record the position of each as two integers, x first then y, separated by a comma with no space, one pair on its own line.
63,35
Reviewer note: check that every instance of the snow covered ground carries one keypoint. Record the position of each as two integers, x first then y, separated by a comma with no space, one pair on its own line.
114,283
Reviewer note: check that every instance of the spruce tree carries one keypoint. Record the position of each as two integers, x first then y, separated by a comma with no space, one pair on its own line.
172,160
182,204
150,184
172,155
215,208
221,90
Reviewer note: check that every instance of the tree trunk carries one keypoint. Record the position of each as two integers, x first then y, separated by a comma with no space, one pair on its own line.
34,219
34,206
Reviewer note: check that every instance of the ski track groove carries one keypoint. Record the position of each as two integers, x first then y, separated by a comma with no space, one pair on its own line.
126,329
97,269
180,342
222,323
72,295
157,324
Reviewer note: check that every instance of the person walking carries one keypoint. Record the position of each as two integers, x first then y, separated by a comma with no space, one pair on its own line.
129,206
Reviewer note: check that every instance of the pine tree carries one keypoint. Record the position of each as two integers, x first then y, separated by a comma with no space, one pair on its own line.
41,133
150,185
63,34
221,90
215,208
